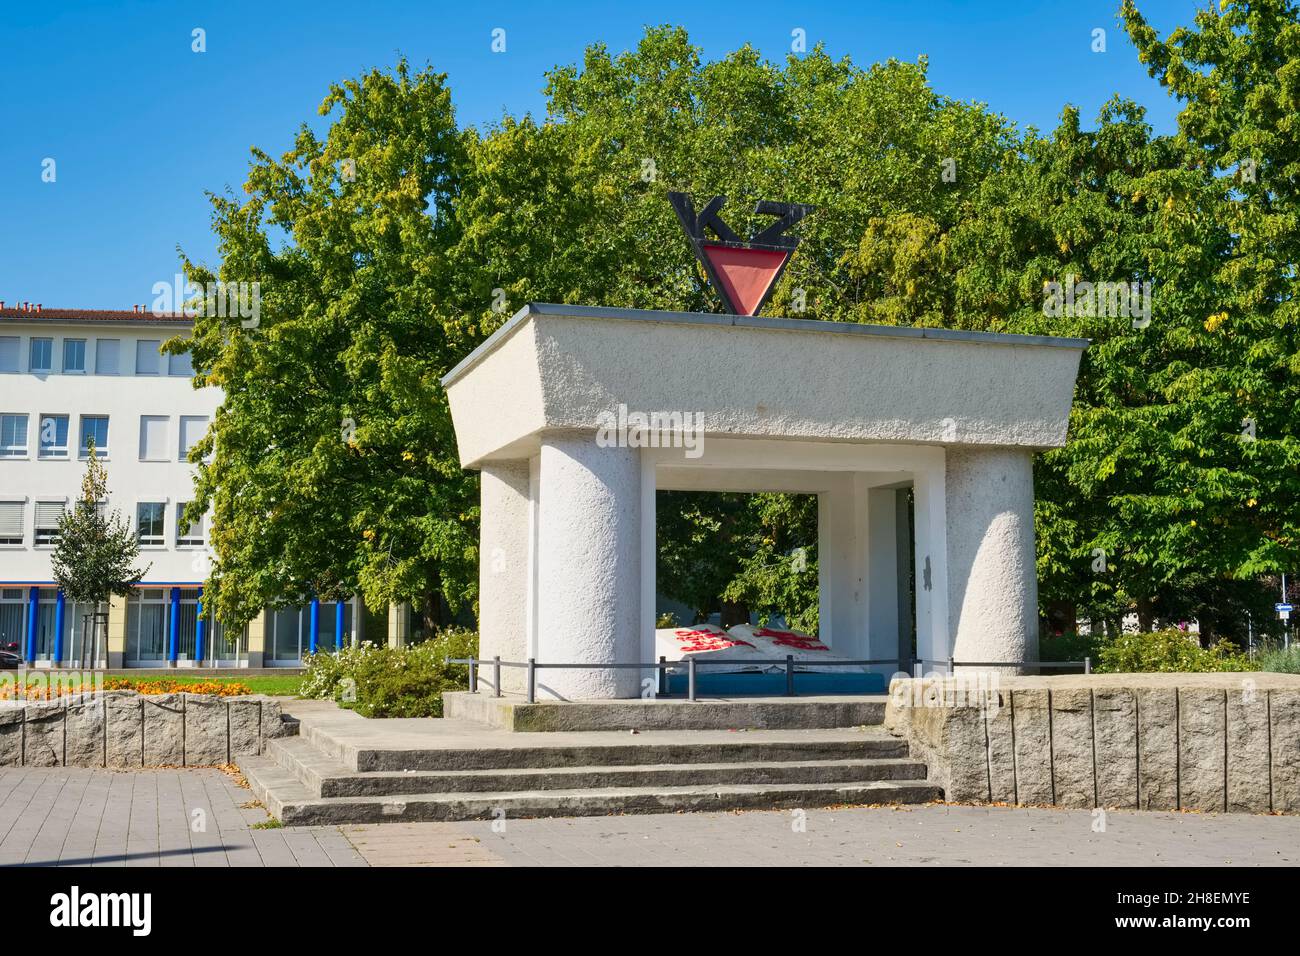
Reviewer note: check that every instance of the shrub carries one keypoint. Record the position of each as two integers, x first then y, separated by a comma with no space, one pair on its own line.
1170,650
1279,659
392,682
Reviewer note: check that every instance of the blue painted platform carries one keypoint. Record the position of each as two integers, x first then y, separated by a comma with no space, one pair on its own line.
809,683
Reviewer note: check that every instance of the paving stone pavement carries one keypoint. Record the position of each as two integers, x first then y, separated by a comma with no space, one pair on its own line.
880,836
81,817
74,816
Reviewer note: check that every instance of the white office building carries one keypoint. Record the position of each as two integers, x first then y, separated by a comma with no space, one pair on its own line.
70,375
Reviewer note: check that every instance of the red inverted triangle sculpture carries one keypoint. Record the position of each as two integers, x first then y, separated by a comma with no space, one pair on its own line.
745,274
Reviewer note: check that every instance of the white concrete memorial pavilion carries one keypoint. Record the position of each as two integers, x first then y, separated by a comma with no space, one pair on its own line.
852,413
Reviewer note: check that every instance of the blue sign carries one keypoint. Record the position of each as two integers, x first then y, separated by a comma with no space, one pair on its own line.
1280,608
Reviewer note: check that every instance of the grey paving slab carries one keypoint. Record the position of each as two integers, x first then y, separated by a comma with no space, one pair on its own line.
924,836
80,817
173,818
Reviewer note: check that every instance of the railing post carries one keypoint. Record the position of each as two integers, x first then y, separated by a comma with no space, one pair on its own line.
1087,665
789,675
690,678
662,677
532,680
952,667
473,675
918,667
496,675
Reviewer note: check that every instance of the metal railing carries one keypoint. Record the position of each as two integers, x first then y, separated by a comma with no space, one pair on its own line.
692,665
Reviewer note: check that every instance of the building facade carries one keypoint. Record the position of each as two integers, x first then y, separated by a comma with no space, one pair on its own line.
68,377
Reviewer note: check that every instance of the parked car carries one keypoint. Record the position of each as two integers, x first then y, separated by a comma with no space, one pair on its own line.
9,661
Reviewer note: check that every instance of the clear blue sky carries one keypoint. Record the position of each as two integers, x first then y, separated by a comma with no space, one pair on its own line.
140,126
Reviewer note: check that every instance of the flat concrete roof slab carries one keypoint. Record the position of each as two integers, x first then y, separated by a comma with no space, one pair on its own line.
556,368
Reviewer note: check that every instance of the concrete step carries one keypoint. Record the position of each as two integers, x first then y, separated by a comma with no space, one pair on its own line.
512,712
290,800
605,749
325,777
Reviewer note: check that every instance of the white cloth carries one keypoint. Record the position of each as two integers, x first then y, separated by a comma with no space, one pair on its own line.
706,642
776,644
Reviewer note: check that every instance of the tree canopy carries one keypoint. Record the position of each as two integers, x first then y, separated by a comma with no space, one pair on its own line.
389,247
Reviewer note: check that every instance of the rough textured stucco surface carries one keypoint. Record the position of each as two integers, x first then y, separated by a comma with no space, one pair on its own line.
992,579
1206,742
543,387
503,568
589,566
501,403
563,372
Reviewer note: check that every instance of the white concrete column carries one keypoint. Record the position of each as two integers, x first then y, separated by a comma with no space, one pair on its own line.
933,634
588,566
992,578
883,611
503,568
859,570
842,566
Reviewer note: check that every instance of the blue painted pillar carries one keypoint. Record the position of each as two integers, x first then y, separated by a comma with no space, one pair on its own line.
33,621
200,630
313,634
174,631
57,657
339,607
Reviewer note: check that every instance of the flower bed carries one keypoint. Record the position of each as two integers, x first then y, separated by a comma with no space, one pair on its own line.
43,688
166,685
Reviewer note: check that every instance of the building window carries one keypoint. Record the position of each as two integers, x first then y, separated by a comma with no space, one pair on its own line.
192,429
153,437
94,427
13,436
180,365
74,355
48,515
108,359
188,536
148,613
11,522
54,436
147,359
8,353
150,517
42,355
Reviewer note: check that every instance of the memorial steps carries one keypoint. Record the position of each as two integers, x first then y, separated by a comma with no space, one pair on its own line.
342,768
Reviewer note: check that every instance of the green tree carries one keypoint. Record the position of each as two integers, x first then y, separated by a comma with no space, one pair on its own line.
96,552
573,208
330,467
1177,489
1236,70
333,465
